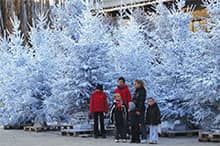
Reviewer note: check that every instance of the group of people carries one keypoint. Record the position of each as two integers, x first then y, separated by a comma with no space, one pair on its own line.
128,113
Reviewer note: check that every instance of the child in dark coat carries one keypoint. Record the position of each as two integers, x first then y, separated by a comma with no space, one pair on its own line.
153,119
118,116
135,123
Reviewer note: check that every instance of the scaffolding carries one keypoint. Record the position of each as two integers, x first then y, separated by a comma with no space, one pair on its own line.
116,5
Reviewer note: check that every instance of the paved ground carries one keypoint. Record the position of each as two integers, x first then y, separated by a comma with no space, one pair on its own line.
21,138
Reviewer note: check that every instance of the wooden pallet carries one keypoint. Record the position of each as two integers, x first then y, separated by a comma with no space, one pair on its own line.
54,128
66,127
214,137
187,133
209,137
9,127
110,127
204,136
72,132
41,129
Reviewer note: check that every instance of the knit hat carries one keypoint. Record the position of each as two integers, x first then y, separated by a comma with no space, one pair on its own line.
131,106
99,87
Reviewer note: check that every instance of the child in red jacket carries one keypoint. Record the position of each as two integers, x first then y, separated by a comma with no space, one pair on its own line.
98,106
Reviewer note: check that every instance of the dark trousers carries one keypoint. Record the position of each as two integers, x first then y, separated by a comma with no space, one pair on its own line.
135,134
120,131
143,127
127,130
99,118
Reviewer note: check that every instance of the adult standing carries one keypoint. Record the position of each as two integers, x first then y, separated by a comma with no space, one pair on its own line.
125,93
139,99
98,106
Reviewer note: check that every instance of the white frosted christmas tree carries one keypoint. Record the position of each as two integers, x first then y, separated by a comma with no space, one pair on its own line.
15,85
92,51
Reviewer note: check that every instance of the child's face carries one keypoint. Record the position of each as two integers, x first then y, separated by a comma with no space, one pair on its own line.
151,102
117,98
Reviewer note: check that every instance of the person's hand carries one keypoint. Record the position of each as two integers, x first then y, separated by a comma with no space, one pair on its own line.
138,113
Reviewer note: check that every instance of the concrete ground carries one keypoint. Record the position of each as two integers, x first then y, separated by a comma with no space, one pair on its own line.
21,138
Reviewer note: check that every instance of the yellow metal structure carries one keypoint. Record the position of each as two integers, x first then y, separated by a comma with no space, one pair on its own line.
199,19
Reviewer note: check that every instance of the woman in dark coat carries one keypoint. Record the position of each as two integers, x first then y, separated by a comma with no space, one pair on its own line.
153,119
139,99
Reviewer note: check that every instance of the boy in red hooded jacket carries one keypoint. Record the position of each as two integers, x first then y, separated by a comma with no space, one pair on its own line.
124,91
98,106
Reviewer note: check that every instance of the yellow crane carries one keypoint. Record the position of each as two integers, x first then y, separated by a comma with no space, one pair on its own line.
199,19
199,13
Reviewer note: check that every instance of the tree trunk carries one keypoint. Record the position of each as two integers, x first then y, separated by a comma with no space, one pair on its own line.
6,13
25,10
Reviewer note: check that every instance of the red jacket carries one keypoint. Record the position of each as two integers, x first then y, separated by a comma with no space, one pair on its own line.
125,94
98,102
